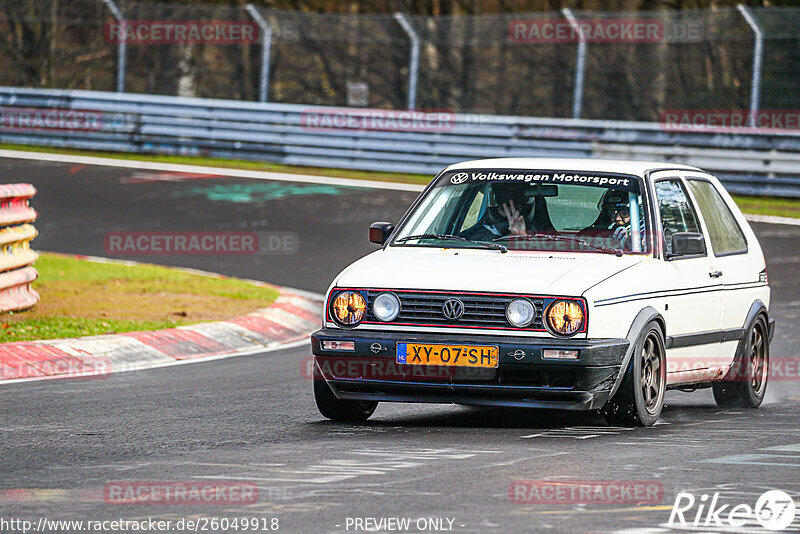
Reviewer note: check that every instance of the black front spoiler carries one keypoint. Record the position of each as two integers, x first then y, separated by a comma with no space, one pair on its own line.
522,379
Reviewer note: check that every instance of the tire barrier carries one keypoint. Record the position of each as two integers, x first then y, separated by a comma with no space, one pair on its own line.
16,257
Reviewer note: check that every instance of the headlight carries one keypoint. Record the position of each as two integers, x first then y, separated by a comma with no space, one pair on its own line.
520,313
348,308
565,317
386,307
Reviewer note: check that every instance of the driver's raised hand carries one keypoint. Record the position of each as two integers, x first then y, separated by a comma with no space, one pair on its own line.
516,223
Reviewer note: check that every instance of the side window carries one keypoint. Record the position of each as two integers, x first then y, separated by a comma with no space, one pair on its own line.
723,231
676,211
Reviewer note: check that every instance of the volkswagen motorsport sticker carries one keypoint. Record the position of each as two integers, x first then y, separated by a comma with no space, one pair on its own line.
614,181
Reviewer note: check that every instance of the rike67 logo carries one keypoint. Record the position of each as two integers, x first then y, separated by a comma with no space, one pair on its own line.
774,510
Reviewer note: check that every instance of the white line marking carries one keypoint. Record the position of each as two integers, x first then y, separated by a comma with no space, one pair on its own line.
771,219
378,463
795,447
266,175
201,169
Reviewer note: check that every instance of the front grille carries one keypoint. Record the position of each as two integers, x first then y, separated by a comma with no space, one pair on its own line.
480,310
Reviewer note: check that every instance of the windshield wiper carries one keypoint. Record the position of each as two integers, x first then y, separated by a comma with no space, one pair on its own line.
450,237
611,250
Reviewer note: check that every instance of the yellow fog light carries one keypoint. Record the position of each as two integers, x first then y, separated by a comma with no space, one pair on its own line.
349,308
565,317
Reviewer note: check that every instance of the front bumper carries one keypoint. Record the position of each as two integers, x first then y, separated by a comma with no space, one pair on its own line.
522,379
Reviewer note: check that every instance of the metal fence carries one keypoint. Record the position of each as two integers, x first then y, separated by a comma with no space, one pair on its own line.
752,161
718,59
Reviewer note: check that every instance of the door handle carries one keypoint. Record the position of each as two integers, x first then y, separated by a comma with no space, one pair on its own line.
715,274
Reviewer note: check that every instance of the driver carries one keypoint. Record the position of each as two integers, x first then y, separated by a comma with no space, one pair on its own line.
507,210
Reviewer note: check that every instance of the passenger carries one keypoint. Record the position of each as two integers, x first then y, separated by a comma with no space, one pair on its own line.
614,221
622,227
622,222
607,206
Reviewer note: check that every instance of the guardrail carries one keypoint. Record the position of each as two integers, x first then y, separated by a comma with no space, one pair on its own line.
747,161
16,257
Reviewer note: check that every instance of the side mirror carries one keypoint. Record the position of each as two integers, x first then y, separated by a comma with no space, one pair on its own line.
379,232
687,244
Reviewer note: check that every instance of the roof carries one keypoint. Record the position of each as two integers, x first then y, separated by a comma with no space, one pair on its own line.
636,168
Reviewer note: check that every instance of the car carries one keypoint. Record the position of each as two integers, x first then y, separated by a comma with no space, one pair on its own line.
575,284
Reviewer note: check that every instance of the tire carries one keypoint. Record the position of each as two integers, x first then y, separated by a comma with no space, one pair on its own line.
640,397
746,383
340,410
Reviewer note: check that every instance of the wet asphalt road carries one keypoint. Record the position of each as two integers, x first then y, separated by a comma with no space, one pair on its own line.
253,418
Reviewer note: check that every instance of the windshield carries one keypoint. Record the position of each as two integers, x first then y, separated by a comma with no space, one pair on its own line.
530,210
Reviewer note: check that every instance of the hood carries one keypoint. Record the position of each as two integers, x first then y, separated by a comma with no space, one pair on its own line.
539,273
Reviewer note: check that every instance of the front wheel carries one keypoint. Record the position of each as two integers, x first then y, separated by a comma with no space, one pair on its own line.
341,410
746,382
640,397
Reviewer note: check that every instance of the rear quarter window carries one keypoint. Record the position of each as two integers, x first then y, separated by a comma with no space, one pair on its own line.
724,232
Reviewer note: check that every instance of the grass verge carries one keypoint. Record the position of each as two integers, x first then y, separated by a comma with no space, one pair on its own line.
85,298
775,206
779,207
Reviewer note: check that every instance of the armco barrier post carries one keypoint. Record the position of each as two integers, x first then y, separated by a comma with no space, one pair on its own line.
16,259
413,62
266,46
122,47
758,54
580,63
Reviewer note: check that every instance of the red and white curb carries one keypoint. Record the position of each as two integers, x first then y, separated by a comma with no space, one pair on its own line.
286,323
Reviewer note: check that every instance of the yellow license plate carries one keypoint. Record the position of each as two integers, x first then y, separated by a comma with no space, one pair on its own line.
452,355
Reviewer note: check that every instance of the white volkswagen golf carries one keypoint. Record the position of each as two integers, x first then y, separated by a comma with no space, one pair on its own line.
547,283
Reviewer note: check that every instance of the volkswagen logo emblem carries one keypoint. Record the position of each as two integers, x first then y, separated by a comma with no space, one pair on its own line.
459,178
453,309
